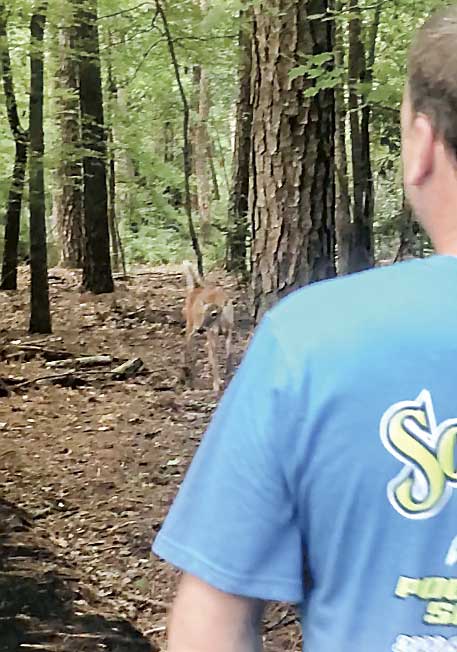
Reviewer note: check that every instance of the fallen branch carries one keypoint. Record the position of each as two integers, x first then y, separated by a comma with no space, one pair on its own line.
124,371
155,630
34,350
120,526
87,361
10,381
127,369
52,378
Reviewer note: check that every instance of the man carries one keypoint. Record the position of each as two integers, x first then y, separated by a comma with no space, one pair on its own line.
328,476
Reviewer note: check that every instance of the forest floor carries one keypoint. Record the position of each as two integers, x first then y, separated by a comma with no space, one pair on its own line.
87,473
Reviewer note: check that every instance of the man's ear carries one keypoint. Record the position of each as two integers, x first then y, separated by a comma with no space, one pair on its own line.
422,139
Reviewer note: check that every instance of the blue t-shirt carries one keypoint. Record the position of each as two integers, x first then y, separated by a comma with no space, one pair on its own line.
328,475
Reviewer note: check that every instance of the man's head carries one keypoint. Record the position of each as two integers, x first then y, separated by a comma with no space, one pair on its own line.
429,124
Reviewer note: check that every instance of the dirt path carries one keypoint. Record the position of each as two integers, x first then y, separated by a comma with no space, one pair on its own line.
87,474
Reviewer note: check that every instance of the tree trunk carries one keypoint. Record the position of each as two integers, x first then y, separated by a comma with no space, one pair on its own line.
238,203
221,158
360,71
216,195
16,191
13,217
169,142
292,196
40,316
369,204
97,276
343,198
112,202
68,205
202,144
112,217
172,193
126,172
193,126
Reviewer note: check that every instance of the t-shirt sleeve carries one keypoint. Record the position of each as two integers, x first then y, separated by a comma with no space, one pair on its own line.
234,521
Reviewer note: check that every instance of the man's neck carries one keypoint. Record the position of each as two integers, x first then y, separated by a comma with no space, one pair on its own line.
445,243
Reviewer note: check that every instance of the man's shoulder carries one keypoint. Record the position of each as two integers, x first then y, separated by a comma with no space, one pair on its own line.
343,306
356,288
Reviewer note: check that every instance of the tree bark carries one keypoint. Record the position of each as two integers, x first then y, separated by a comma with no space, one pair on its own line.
202,144
16,191
238,232
292,196
40,316
68,205
97,276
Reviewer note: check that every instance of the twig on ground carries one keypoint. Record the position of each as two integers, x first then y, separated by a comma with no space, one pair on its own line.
284,621
124,371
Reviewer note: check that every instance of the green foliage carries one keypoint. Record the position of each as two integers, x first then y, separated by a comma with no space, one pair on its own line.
146,112
133,46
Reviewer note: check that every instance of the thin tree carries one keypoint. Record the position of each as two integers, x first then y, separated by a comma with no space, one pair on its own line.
126,168
238,230
292,199
201,148
40,316
216,195
186,139
97,276
16,191
112,217
343,222
172,192
360,70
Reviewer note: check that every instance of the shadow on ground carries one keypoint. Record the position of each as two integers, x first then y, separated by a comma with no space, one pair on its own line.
43,605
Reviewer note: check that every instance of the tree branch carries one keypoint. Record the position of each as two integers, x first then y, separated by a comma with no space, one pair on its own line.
144,57
125,11
126,40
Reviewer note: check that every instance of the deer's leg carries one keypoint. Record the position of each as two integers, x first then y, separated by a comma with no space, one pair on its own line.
188,367
228,320
212,357
228,352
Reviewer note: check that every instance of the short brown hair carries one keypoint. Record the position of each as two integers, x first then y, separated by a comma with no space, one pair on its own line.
433,73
